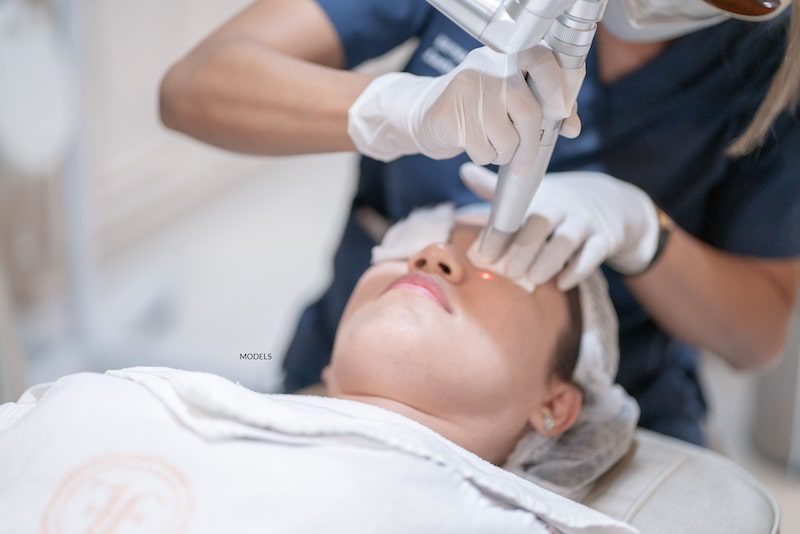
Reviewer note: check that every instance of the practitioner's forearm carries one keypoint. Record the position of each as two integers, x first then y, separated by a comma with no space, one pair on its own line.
245,97
737,307
266,82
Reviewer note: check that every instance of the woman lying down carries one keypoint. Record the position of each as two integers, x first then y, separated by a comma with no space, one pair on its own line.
458,401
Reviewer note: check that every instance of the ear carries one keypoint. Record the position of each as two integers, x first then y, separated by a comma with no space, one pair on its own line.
563,404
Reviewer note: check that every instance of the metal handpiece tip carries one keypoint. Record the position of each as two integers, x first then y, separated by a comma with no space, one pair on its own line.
493,243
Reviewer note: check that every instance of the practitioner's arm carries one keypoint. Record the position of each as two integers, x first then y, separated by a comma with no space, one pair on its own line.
737,307
266,82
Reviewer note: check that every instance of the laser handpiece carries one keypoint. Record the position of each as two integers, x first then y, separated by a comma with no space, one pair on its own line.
568,27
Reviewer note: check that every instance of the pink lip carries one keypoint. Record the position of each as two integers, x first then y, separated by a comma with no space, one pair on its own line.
426,285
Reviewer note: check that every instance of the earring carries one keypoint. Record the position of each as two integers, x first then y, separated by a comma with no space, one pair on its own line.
547,421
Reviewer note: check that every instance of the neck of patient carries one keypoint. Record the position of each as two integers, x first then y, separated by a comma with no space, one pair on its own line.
485,438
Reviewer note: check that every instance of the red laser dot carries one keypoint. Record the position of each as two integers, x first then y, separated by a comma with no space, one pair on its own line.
486,276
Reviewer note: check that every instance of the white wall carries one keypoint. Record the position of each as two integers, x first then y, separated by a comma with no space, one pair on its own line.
142,175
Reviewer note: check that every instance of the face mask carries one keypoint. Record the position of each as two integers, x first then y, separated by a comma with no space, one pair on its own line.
660,20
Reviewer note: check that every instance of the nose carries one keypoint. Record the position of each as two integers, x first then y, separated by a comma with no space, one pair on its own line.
438,259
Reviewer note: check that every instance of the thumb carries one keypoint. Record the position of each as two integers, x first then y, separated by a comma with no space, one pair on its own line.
480,180
571,126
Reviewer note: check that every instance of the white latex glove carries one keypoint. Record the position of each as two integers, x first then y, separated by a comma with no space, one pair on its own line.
483,107
576,221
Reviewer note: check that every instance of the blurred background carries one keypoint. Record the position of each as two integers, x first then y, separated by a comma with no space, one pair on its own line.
124,244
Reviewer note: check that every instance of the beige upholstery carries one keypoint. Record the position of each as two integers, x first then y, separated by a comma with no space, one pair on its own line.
667,486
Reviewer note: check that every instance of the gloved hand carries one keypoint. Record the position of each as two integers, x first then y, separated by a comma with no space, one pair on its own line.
576,221
484,107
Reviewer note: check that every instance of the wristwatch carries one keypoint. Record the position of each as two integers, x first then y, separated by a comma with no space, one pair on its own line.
665,227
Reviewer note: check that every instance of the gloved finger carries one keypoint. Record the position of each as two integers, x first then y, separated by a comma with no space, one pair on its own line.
554,255
571,127
530,239
497,122
479,148
519,259
502,134
591,255
526,115
479,180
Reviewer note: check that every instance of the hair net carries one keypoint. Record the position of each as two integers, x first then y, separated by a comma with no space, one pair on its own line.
567,464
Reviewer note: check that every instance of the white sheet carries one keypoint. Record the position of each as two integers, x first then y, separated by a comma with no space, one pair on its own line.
160,450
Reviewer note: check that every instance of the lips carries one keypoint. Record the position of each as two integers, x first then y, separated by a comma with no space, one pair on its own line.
425,285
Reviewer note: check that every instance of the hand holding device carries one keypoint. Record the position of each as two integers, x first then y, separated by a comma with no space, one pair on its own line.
576,221
484,107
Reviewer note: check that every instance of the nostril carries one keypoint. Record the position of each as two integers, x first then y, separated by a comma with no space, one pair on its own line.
445,268
420,263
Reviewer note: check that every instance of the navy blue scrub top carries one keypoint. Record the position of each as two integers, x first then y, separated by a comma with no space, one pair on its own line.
664,127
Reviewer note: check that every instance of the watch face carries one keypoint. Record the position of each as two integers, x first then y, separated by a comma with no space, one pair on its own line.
664,220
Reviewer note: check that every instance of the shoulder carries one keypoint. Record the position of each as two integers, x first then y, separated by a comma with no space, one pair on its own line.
750,56
752,50
370,28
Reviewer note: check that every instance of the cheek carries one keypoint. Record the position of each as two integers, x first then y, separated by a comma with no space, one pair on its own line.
510,344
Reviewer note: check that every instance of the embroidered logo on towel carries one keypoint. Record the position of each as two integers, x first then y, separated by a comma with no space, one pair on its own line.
120,493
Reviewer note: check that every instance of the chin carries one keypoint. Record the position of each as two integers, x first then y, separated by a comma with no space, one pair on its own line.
389,333
382,347
399,315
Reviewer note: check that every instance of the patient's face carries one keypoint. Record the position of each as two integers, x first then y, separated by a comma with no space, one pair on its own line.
443,336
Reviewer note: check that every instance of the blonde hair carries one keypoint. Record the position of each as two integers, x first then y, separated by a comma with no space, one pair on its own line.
781,96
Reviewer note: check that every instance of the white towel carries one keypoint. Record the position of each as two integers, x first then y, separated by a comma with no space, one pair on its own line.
161,450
